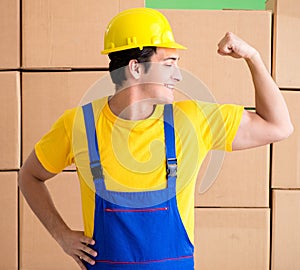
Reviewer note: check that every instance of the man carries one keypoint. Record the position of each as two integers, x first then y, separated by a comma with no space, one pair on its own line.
142,155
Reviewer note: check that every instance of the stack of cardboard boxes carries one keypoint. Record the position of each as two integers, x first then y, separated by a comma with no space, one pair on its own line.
10,130
286,160
239,216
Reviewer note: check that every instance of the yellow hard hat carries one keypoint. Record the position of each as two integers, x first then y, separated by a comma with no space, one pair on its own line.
138,28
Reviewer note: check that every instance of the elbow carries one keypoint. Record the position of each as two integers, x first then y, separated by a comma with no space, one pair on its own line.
23,177
285,132
290,130
20,177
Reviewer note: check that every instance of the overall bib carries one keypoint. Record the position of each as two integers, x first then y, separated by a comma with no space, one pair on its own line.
138,230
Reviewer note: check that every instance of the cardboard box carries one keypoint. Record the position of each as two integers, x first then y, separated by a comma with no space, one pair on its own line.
10,120
46,95
131,4
9,221
68,34
228,80
38,250
286,42
10,34
243,180
286,154
232,239
285,230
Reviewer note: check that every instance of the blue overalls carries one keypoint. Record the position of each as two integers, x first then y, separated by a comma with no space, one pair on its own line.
138,230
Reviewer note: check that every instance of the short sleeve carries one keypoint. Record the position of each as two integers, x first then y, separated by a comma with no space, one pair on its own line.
221,124
54,150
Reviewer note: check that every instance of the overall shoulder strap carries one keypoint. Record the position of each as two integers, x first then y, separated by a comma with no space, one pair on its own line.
93,149
170,141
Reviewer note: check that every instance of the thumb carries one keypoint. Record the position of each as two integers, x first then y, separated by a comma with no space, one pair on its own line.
224,51
225,45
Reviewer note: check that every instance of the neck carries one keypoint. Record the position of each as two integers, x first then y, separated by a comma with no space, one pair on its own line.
129,104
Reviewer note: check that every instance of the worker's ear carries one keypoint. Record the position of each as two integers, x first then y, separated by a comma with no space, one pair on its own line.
135,69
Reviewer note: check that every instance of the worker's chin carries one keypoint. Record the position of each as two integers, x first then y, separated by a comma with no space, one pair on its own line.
165,100
170,100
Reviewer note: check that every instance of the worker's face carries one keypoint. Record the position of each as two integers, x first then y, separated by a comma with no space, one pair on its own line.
159,81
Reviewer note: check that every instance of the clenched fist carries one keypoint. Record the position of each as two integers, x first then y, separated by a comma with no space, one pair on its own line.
232,45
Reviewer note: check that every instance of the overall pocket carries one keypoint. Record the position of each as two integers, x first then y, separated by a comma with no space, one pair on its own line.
136,234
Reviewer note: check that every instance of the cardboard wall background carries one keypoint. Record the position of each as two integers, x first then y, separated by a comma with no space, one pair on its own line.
286,158
286,42
232,238
9,220
10,120
240,216
9,34
67,34
227,79
286,235
38,250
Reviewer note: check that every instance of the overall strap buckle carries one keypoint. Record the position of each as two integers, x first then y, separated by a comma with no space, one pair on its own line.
172,167
171,160
96,170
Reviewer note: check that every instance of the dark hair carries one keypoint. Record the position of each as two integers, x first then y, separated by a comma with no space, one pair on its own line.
121,59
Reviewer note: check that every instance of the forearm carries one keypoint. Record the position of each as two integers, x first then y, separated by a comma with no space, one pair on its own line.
37,196
32,177
269,102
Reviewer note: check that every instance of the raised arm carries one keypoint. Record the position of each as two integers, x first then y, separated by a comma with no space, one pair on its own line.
32,177
271,121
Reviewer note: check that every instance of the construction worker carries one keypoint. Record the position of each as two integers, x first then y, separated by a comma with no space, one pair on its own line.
138,152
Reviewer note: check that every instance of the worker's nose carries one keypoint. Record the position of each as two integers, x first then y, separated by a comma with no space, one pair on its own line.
177,74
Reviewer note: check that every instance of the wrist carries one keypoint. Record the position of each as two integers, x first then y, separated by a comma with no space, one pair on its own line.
59,232
253,57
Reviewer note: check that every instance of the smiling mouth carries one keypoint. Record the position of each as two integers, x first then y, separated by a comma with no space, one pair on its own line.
169,86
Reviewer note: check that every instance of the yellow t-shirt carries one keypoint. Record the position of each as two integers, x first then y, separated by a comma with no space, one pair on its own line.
133,152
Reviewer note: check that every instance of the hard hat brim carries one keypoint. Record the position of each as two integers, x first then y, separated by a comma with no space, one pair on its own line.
171,45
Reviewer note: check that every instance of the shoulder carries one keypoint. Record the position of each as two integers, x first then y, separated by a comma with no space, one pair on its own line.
69,116
203,106
195,107
187,106
201,112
